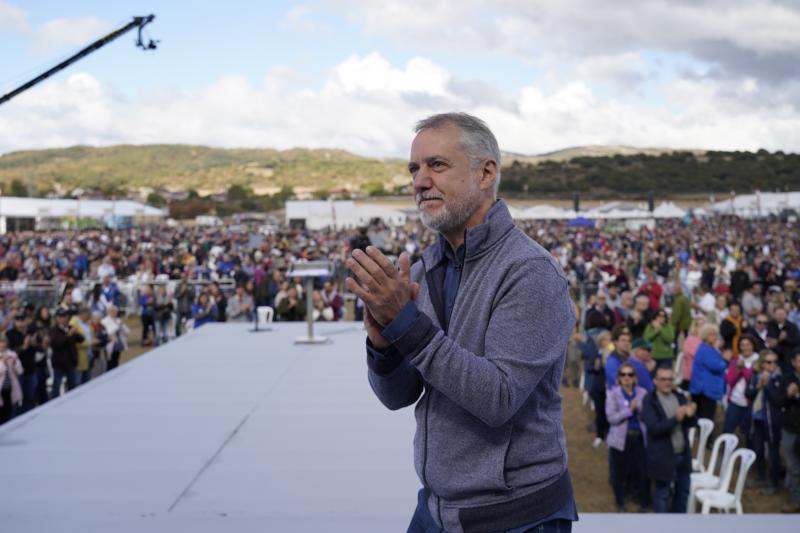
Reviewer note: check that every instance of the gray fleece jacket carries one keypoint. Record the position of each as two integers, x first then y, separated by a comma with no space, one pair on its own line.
490,443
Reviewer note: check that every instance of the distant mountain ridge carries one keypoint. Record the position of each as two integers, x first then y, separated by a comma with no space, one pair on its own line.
321,172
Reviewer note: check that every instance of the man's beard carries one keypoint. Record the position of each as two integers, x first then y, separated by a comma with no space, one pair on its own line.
454,211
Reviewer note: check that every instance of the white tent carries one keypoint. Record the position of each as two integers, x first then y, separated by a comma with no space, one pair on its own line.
758,204
669,210
319,214
38,210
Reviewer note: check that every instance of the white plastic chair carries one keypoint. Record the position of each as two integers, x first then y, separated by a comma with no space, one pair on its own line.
722,499
706,427
678,370
708,479
264,314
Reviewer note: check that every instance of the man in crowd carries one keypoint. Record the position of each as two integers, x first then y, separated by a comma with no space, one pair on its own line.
643,362
790,437
600,315
478,329
640,317
240,307
64,340
667,416
783,338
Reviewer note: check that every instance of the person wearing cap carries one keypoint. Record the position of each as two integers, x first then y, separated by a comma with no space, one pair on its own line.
63,340
600,315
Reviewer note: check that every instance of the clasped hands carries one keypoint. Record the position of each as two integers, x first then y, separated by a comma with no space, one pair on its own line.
384,289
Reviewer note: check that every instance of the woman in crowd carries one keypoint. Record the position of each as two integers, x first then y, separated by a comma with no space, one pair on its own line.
10,388
163,314
626,437
763,390
81,323
99,343
690,346
740,371
708,374
660,334
204,311
117,332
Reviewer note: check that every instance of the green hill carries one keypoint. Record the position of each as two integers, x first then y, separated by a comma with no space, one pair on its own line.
596,170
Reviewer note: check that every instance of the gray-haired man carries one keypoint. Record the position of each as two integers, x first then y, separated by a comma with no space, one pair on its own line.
475,334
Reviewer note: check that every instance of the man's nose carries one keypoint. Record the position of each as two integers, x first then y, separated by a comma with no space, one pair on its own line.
422,179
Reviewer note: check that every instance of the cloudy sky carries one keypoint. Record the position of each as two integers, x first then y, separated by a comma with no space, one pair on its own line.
545,74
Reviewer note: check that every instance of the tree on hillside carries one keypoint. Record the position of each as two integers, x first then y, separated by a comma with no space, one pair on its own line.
239,192
18,189
156,200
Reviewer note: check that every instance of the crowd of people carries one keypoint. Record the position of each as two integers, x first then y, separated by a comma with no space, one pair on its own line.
710,306
710,303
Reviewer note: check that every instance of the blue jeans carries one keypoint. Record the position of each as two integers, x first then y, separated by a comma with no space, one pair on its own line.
29,382
760,444
59,375
422,521
682,464
737,416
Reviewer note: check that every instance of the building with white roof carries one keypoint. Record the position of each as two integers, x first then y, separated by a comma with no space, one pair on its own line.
319,214
41,213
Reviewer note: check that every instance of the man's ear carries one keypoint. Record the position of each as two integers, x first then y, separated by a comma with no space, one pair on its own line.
488,174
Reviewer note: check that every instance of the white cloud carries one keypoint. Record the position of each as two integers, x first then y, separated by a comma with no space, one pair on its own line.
741,36
369,106
13,19
60,33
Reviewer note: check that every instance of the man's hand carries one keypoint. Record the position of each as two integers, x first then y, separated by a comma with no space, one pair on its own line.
383,288
792,390
691,409
680,414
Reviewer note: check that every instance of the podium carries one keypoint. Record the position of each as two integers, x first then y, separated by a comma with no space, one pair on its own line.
308,272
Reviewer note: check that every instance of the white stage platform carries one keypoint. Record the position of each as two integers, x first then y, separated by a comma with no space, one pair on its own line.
225,429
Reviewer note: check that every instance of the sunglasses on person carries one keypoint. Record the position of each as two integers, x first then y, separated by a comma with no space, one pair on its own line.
762,322
770,361
626,374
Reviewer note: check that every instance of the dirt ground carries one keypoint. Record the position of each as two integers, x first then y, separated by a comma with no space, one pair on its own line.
588,467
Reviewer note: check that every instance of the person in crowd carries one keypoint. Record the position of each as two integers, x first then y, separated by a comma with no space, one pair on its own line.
63,341
624,309
752,302
719,312
85,362
117,332
640,317
681,319
708,374
97,301
594,382
783,338
22,340
573,367
147,314
204,311
653,290
600,315
642,361
99,355
162,313
759,331
740,371
660,334
220,301
110,291
764,392
789,401
42,324
732,327
333,300
184,297
621,338
292,308
626,437
690,346
240,306
667,416
10,388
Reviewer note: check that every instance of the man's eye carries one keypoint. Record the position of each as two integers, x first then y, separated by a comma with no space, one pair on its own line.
437,165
